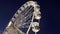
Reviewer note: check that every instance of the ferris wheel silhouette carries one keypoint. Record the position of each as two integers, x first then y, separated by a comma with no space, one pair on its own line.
24,18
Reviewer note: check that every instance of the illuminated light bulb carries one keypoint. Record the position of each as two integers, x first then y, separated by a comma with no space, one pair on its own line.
9,24
25,5
35,24
37,16
18,11
36,29
22,8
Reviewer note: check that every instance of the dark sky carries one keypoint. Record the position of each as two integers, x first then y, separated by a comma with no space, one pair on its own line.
49,21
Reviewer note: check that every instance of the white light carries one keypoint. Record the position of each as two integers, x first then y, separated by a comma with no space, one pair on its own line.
19,11
35,29
16,15
25,5
9,24
13,19
22,8
35,24
37,17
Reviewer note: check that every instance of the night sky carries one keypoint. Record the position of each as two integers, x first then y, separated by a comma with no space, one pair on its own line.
49,21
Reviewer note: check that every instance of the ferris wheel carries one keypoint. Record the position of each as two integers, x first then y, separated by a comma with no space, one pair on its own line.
27,17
